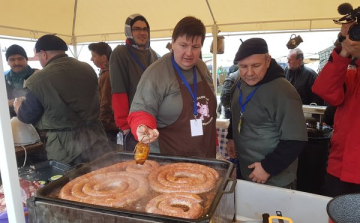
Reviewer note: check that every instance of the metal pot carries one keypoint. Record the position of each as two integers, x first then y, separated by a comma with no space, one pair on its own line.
344,208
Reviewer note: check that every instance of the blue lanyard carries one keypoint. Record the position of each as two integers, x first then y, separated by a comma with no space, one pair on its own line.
243,106
137,59
193,94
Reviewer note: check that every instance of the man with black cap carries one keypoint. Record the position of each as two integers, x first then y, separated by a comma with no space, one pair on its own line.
127,64
267,129
19,72
63,101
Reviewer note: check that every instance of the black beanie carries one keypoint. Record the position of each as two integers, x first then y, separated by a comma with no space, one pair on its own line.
15,49
50,43
250,47
137,18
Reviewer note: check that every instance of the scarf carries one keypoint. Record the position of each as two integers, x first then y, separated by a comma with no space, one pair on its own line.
128,33
273,72
17,79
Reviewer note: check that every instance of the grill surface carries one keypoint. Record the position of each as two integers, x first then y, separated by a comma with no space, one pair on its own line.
45,205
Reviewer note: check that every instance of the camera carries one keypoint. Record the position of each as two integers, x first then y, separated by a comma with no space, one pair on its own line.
351,15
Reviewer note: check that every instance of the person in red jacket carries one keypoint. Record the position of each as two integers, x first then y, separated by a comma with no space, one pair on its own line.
127,64
338,84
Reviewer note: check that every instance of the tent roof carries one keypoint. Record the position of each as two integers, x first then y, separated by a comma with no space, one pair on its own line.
104,20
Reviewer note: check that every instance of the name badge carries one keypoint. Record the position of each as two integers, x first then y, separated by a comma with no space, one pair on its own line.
196,127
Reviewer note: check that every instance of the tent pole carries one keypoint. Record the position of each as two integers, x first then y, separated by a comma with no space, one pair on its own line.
75,48
73,38
214,46
8,164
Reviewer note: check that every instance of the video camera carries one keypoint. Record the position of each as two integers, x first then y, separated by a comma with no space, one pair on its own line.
351,15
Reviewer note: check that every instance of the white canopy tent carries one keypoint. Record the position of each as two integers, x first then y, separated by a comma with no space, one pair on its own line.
80,21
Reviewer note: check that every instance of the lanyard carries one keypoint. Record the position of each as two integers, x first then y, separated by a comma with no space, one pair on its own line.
193,94
137,59
243,106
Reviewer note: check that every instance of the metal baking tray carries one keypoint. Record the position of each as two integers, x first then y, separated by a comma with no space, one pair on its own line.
45,206
43,171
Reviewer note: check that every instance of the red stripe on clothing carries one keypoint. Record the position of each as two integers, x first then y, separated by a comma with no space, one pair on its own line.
120,105
140,118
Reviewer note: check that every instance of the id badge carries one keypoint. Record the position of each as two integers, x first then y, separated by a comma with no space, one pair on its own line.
240,120
196,127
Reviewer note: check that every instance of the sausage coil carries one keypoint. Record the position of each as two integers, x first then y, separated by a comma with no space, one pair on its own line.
114,189
182,205
183,177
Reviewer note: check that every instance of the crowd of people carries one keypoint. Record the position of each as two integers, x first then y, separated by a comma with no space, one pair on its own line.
169,102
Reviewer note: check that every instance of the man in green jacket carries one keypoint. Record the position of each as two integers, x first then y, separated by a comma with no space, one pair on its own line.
63,100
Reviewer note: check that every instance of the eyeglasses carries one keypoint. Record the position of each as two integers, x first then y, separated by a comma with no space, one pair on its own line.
138,29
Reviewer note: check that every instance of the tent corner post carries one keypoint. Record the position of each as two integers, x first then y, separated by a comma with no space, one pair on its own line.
8,167
74,44
214,49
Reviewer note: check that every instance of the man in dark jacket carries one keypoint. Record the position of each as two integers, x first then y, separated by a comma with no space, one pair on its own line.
19,72
301,77
63,101
226,92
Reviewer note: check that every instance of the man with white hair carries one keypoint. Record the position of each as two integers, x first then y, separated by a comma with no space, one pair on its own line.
301,77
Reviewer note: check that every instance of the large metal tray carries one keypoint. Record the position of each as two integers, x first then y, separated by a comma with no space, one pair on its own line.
46,206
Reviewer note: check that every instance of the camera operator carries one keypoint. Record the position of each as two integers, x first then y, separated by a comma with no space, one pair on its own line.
339,85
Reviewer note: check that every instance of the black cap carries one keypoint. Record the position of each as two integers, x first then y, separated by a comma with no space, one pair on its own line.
50,43
15,49
250,47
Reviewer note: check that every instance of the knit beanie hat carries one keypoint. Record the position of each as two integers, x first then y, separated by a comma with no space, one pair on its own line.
15,49
50,43
250,47
128,25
